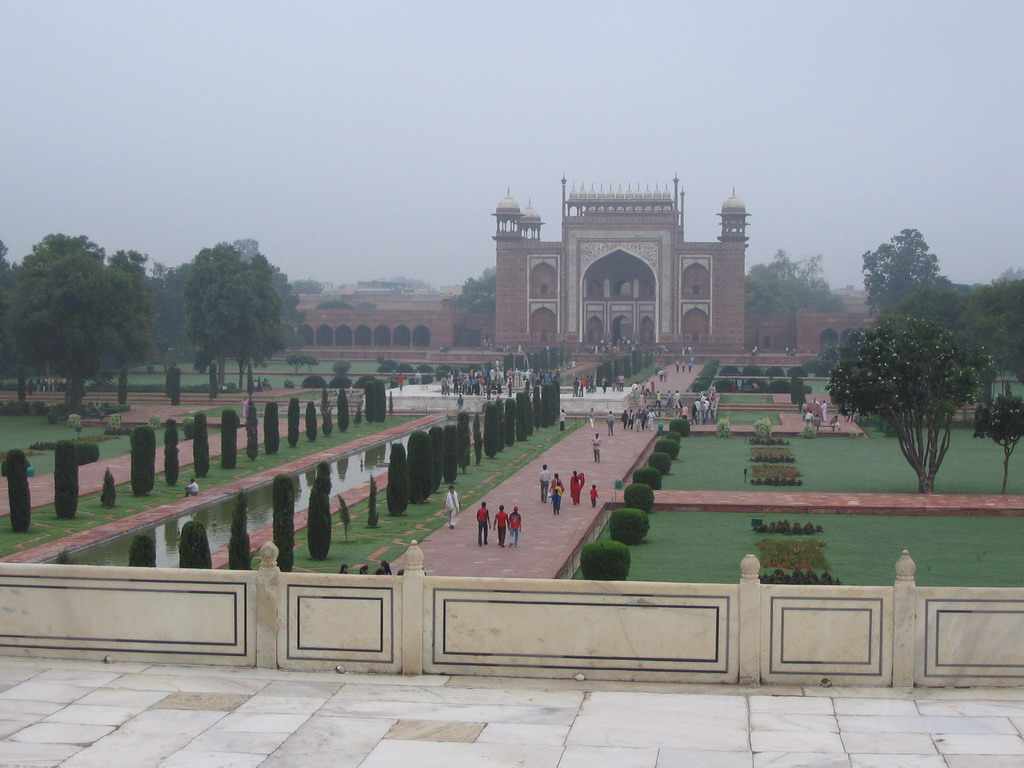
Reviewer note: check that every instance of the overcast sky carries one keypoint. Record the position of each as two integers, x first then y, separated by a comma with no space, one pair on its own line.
371,139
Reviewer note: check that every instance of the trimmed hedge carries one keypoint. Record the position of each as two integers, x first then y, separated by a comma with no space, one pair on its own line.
628,525
682,426
18,492
315,381
194,546
228,439
143,471
669,446
65,480
200,446
660,461
421,466
283,494
88,451
639,495
605,561
143,552
649,476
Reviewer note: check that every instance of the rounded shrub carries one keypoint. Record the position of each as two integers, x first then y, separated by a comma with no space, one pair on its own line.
629,525
88,452
660,461
315,381
670,435
649,476
404,368
639,495
774,371
605,561
797,370
340,382
753,370
682,426
143,552
669,446
194,546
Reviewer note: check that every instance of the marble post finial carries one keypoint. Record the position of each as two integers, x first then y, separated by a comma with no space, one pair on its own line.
905,568
414,558
750,567
268,556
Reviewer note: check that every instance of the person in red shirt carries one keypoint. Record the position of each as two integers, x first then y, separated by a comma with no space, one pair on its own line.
501,524
515,524
483,522
593,495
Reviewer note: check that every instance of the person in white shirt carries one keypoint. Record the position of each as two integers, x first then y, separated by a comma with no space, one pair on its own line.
452,504
192,489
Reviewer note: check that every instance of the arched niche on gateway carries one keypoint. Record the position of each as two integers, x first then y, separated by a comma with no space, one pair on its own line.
620,276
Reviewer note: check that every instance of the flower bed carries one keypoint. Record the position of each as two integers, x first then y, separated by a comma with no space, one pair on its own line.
776,474
792,554
772,455
779,576
786,528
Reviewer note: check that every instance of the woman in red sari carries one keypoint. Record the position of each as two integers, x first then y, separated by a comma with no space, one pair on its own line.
576,483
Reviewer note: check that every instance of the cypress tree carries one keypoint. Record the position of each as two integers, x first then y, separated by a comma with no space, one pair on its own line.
214,388
200,446
398,481
464,444
173,384
283,493
65,480
478,439
228,439
450,453
537,409
271,429
391,403
239,549
22,388
372,517
437,455
421,468
252,433
342,410
194,546
171,452
143,552
492,430
293,422
310,421
248,379
523,420
108,496
359,415
318,525
122,386
18,494
510,422
143,460
344,514
325,413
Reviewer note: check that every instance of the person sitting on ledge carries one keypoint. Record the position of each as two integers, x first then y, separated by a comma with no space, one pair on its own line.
192,489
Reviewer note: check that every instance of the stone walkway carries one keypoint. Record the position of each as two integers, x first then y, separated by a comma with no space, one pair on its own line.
93,715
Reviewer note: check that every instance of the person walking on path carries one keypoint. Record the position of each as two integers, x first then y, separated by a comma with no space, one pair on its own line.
576,483
515,524
545,481
556,499
596,445
452,504
592,416
501,524
610,418
483,522
593,496
561,420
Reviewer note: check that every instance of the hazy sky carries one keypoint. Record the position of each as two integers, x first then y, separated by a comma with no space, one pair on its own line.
363,140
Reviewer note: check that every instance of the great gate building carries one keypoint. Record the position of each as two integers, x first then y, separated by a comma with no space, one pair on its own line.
622,272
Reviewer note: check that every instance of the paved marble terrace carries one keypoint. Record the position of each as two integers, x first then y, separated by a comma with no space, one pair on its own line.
94,715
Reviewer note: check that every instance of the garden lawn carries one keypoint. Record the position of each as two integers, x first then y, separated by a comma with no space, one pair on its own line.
749,417
46,527
707,547
847,465
738,399
23,431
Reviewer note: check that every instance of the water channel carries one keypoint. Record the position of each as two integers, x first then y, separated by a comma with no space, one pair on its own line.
349,471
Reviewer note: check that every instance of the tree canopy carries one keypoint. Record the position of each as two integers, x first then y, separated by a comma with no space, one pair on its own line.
478,294
232,308
783,286
914,376
71,306
994,318
892,269
1003,423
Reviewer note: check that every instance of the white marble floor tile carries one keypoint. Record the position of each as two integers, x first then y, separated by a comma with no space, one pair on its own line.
774,721
123,697
979,744
791,705
29,711
58,693
91,678
188,683
466,713
146,740
434,754
282,705
62,733
217,740
897,724
84,714
8,727
673,757
302,689
897,760
800,760
890,743
458,695
972,708
511,733
876,707
255,722
795,741
983,761
330,742
609,757
190,758
22,754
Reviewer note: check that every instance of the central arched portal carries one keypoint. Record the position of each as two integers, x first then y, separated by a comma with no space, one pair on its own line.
619,292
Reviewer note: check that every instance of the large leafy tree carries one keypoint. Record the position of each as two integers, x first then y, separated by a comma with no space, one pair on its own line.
168,334
783,286
71,305
6,282
894,268
478,293
1003,423
913,375
232,309
995,323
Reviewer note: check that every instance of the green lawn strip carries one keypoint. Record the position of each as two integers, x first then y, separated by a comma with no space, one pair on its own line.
23,431
706,547
736,399
846,465
749,417
46,527
392,537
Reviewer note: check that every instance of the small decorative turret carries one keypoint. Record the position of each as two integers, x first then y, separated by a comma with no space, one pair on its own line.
734,220
508,216
530,223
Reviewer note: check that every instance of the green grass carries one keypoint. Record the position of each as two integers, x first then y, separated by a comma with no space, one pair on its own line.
847,465
23,431
749,417
707,547
738,399
46,527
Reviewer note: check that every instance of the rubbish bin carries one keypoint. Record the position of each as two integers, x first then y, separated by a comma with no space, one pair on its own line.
661,429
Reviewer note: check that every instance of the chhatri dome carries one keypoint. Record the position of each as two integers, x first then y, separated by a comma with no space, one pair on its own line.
508,204
733,204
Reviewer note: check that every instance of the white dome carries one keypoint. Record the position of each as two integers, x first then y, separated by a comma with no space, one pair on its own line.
508,203
733,205
529,212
